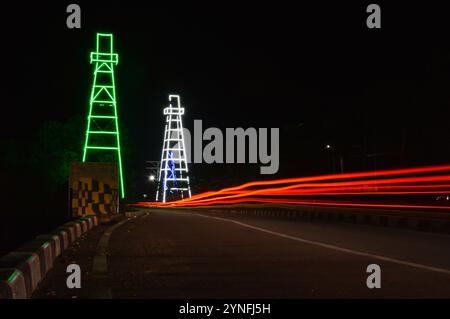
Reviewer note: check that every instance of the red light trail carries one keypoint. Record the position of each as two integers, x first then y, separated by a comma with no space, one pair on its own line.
412,188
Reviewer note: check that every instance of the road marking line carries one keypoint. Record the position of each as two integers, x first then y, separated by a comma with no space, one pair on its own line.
333,247
99,264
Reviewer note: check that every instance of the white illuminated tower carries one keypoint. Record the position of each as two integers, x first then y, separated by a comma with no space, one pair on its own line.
173,179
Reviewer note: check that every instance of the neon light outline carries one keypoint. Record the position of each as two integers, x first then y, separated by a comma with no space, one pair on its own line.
104,63
173,115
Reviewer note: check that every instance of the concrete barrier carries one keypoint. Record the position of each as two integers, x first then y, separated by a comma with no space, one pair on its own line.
84,225
89,222
55,243
95,219
22,270
77,228
28,264
70,230
63,238
43,249
92,220
12,284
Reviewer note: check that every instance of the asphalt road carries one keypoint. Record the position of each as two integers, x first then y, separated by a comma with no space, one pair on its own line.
196,254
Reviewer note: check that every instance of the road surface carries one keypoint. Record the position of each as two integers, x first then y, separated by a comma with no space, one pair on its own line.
197,254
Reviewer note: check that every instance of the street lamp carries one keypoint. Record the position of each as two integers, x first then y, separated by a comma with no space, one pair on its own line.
151,178
333,154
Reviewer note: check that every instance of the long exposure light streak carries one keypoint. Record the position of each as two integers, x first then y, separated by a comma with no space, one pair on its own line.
393,172
411,188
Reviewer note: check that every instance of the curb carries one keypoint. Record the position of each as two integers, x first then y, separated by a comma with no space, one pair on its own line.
77,229
55,243
23,269
401,222
28,264
43,249
12,284
63,238
69,231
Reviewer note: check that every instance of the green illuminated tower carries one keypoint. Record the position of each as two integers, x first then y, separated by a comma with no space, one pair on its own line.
102,134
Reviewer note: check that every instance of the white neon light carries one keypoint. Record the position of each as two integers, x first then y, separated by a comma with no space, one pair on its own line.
174,144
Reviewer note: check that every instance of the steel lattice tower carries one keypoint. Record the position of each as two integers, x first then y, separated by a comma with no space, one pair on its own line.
102,134
173,179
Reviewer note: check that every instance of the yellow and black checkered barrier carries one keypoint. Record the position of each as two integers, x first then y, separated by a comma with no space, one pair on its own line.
92,197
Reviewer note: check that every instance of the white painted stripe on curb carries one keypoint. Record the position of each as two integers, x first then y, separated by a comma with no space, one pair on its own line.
28,264
84,226
64,237
43,250
77,229
55,243
70,230
35,268
334,247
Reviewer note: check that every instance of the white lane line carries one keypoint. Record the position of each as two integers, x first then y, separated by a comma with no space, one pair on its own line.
333,247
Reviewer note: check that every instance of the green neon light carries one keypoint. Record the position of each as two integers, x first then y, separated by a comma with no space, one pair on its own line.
102,117
103,99
12,276
101,132
102,148
103,102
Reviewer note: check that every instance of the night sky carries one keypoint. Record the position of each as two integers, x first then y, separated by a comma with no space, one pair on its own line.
380,97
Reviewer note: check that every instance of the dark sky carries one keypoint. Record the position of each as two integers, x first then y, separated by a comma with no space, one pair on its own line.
380,97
